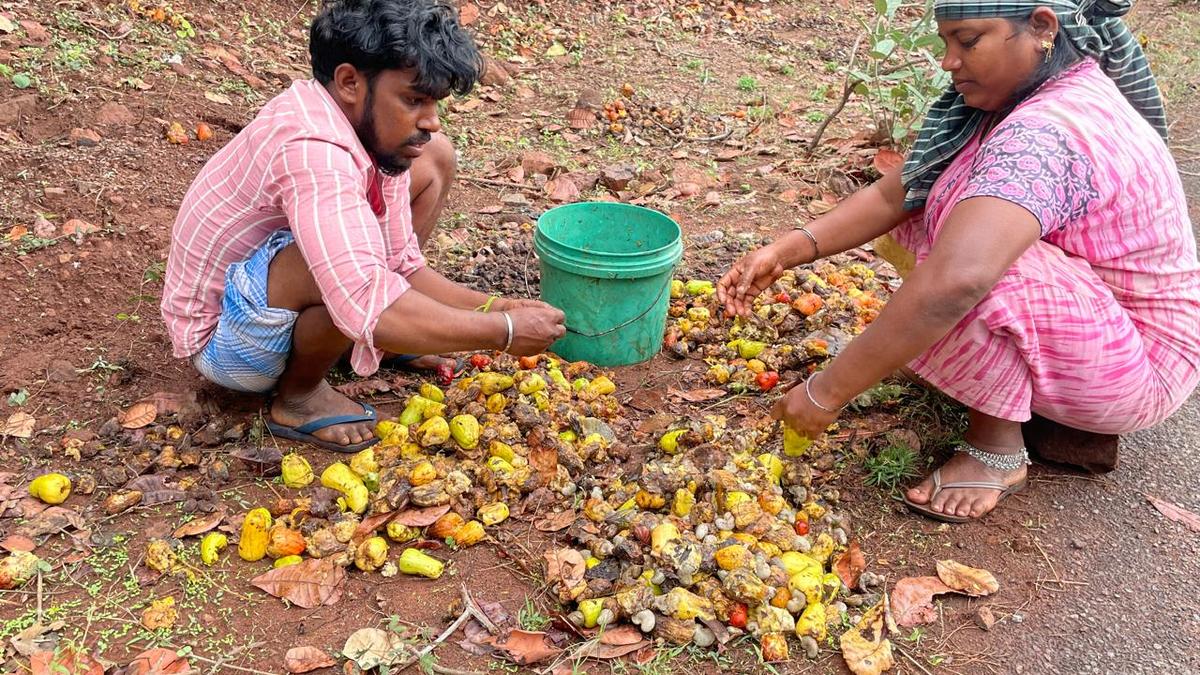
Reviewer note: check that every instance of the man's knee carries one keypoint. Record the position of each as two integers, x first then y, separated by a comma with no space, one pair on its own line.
443,160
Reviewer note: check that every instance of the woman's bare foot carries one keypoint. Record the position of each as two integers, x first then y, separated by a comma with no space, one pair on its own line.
324,401
965,502
428,362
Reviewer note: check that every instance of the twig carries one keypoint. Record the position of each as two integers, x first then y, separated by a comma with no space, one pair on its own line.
1053,569
499,183
911,660
194,655
39,595
470,610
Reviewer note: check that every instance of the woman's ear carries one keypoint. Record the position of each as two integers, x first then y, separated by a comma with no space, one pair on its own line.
1044,23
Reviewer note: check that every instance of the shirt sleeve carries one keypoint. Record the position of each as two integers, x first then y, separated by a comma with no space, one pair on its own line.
1033,165
321,192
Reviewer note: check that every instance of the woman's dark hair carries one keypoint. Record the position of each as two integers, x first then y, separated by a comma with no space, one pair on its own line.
377,35
1065,55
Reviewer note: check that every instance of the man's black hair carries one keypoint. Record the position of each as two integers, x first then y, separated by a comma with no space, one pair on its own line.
377,35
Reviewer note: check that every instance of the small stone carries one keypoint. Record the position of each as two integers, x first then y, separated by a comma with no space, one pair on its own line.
84,138
811,648
984,618
535,162
494,74
1077,545
1018,617
114,114
617,177
12,110
54,192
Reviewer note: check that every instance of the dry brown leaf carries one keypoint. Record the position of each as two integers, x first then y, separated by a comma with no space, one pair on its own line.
166,402
525,647
371,524
555,522
850,564
696,395
361,388
468,14
565,568
866,650
158,661
887,160
969,580
912,600
79,227
50,521
422,517
621,635
64,661
18,542
265,460
303,659
309,584
581,118
17,232
138,415
199,525
18,425
1176,513
373,647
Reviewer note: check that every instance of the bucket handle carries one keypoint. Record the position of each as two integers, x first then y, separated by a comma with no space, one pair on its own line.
623,324
644,312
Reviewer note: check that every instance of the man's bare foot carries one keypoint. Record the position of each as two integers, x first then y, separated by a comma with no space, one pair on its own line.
324,401
965,502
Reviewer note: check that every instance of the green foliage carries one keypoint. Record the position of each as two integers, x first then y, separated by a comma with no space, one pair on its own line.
747,83
900,77
530,618
890,466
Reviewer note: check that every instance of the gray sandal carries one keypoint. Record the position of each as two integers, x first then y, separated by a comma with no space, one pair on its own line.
928,511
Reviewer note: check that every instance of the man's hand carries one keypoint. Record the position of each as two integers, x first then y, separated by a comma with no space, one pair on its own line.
749,277
535,327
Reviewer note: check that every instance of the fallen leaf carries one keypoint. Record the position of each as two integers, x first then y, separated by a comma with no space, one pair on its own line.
303,659
422,517
167,402
199,525
18,542
912,600
1176,513
543,457
265,460
788,196
371,524
969,580
17,232
887,160
51,521
866,650
373,647
555,522
157,661
6,24
602,651
819,207
65,661
308,584
160,614
565,568
217,98
525,648
138,415
36,638
696,395
850,565
18,425
361,388
621,635
468,14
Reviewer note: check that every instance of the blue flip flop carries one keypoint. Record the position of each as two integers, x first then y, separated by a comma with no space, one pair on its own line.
303,433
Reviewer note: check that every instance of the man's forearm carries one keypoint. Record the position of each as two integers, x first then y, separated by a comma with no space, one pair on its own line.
418,324
433,285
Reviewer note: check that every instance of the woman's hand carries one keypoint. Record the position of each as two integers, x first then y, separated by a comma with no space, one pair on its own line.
798,412
749,277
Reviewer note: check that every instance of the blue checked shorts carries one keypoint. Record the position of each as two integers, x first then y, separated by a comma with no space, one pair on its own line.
250,347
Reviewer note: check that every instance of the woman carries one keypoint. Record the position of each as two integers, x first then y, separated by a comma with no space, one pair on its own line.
1056,265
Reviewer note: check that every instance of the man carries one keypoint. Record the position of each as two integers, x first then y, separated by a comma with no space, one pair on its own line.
302,237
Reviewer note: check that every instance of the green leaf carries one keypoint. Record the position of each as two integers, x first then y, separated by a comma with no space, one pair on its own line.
881,7
883,48
18,397
22,81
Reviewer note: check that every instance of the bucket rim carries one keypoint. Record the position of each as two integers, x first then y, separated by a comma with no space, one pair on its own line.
676,240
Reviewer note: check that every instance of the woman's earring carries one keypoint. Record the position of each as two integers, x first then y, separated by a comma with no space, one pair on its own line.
1048,48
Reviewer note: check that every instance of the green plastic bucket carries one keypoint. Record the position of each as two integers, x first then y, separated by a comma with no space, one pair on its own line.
608,267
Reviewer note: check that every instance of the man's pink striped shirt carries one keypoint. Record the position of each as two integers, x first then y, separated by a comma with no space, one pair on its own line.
298,165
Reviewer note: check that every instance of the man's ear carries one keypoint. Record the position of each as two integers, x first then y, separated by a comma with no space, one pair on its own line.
349,85
1044,23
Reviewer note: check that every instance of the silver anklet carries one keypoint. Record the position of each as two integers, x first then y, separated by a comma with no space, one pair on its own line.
994,460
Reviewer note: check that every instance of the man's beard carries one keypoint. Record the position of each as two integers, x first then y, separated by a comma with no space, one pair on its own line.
390,164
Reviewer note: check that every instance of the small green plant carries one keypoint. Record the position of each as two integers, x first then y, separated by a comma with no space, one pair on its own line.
747,84
530,618
18,398
890,466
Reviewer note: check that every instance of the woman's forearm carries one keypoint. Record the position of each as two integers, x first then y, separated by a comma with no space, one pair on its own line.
863,216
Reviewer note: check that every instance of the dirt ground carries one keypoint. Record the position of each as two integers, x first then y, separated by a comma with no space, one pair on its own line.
1093,578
